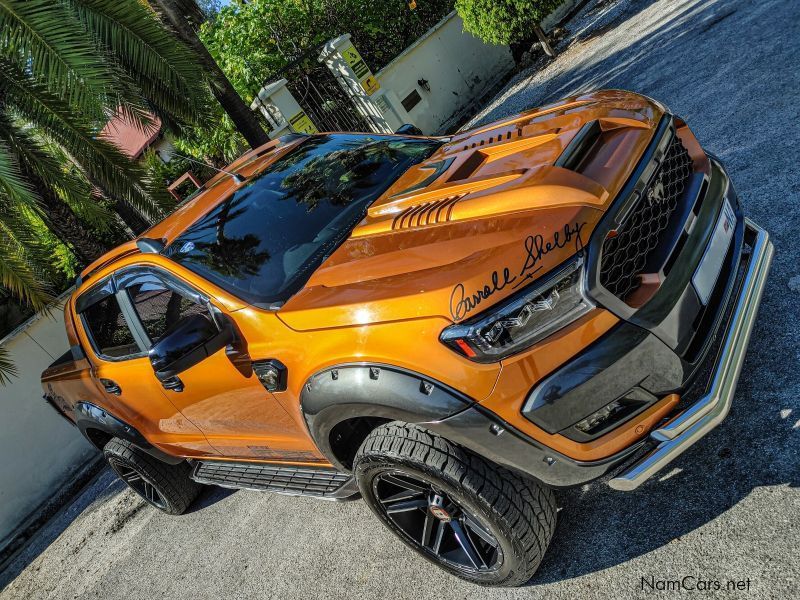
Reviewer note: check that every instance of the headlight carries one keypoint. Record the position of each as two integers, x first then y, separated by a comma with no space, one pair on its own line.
524,319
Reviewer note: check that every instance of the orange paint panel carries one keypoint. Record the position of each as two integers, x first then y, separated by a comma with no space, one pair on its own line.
143,404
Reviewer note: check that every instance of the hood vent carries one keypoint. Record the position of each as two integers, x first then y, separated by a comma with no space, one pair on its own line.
430,213
494,139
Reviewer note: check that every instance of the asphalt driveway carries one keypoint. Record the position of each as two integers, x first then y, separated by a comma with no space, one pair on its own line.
730,508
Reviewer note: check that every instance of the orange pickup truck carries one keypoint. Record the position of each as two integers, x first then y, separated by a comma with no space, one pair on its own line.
453,327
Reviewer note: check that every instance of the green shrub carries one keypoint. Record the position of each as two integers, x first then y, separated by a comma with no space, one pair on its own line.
504,21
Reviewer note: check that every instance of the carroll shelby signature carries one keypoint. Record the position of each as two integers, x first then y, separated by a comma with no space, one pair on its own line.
536,248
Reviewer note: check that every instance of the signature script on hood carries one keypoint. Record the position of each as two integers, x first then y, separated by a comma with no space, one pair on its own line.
536,248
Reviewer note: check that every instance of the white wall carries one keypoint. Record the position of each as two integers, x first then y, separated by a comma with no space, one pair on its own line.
457,66
39,450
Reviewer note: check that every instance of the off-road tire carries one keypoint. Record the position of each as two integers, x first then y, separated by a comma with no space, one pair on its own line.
520,513
175,489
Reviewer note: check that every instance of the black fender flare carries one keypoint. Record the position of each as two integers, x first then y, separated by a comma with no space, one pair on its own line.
354,390
89,416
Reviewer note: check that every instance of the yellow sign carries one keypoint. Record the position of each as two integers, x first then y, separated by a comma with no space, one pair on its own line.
351,56
302,124
361,70
370,85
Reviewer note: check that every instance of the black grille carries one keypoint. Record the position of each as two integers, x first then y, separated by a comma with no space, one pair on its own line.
290,480
625,254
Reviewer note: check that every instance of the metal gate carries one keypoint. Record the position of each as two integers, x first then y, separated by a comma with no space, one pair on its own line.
321,97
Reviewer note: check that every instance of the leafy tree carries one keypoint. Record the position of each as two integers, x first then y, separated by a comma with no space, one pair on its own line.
166,173
253,41
219,144
504,21
65,67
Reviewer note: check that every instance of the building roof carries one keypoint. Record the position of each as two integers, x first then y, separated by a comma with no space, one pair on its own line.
129,136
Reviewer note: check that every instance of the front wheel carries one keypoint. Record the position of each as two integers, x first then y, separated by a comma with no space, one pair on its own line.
467,515
166,487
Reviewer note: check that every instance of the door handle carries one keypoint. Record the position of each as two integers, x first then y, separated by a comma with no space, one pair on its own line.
111,386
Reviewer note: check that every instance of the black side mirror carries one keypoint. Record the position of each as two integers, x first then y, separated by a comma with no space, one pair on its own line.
408,129
187,343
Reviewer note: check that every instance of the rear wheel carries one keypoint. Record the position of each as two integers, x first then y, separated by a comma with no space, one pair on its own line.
166,487
469,516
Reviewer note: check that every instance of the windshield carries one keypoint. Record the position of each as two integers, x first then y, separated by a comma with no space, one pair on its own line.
263,243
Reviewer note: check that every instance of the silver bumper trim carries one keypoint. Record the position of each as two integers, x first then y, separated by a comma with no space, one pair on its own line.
705,414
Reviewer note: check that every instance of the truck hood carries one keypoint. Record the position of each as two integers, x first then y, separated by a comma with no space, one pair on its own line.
490,211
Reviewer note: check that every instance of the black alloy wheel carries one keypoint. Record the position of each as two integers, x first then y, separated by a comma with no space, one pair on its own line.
138,483
441,527
167,487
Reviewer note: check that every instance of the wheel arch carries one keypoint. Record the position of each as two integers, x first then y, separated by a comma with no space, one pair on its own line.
99,426
343,403
97,437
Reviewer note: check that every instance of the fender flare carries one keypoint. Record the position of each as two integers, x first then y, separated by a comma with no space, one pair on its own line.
354,390
89,416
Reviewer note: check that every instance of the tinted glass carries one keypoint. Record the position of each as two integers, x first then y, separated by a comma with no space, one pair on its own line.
158,306
108,329
263,243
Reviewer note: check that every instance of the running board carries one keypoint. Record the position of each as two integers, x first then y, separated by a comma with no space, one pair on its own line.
328,484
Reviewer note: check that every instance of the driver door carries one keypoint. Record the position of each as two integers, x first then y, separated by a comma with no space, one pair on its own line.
221,395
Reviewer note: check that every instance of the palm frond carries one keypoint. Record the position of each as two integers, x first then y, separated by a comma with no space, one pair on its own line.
18,272
7,368
168,74
52,166
100,160
12,182
44,37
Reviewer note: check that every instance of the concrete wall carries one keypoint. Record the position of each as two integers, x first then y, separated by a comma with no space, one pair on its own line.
39,451
457,67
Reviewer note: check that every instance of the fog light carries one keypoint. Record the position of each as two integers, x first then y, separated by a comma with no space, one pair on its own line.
594,420
611,413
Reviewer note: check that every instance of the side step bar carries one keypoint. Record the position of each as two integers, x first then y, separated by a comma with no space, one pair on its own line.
326,483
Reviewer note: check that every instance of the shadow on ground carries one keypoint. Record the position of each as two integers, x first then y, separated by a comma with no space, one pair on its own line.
102,489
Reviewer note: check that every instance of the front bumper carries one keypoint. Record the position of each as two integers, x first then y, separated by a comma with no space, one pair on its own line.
483,432
673,438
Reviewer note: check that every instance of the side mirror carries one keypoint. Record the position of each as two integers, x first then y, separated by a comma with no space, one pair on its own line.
187,343
408,129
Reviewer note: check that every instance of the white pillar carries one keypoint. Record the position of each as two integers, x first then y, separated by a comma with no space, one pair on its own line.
281,110
356,79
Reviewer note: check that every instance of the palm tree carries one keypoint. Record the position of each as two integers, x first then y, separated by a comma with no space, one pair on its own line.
66,66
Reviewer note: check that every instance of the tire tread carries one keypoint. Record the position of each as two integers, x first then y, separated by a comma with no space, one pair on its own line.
172,481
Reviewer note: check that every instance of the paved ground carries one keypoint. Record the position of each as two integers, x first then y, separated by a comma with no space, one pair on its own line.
729,510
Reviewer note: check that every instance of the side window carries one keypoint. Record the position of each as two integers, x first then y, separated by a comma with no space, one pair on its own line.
159,306
108,329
